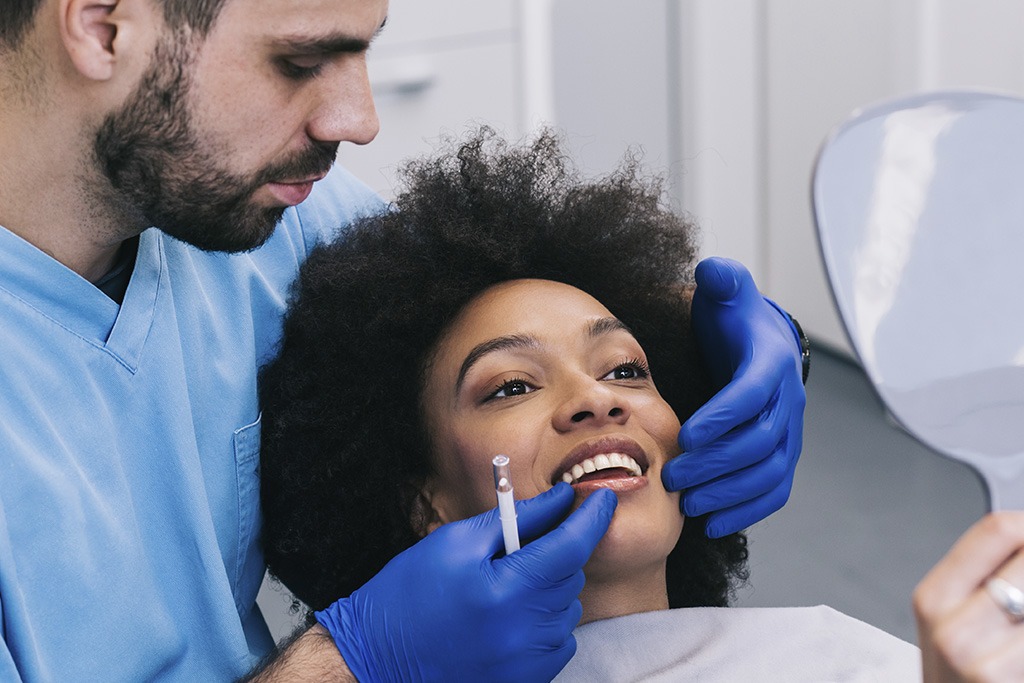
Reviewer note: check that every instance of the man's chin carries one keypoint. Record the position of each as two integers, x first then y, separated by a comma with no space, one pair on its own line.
242,235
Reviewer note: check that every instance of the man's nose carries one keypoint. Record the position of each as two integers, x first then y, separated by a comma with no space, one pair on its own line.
346,112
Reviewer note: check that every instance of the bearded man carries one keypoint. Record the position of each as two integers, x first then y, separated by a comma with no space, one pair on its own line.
164,171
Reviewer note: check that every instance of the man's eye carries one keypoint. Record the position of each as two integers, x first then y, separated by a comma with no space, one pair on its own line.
302,67
510,388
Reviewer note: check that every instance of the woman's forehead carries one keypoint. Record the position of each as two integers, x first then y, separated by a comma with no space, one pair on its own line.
528,306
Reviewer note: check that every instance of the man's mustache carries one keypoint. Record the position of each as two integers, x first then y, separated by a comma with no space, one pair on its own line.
314,161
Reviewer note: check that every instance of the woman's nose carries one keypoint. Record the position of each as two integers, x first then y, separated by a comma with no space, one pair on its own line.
591,403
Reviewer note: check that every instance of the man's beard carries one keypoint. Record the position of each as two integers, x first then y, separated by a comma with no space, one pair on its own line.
158,166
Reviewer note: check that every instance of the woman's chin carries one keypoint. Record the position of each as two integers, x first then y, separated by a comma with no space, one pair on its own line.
641,536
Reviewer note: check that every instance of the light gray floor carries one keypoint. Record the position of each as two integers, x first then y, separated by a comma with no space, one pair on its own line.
871,511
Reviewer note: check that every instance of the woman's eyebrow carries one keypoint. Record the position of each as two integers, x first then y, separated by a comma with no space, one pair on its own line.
608,325
512,341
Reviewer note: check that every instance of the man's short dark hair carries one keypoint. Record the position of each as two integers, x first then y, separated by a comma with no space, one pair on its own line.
17,15
15,20
344,440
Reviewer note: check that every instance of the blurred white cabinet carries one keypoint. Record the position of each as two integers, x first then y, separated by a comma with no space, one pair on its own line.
826,58
729,100
612,82
763,83
438,66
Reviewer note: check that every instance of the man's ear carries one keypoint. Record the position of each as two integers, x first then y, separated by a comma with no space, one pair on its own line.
429,509
94,32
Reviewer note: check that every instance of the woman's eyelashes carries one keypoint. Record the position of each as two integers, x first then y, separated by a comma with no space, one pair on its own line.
635,368
510,388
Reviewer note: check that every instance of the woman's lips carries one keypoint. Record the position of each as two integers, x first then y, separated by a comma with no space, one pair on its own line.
616,480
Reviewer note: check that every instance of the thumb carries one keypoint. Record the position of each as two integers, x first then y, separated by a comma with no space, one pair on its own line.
720,279
558,555
540,514
534,517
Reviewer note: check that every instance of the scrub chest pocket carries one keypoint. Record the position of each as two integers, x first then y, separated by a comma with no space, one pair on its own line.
246,574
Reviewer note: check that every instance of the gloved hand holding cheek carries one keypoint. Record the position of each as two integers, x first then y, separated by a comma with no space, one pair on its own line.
741,448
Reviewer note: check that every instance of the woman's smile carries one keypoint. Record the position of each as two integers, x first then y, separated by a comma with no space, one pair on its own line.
612,462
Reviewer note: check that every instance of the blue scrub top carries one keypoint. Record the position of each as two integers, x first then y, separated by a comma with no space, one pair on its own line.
129,453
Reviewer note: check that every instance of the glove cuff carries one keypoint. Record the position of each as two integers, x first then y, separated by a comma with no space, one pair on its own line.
338,620
802,341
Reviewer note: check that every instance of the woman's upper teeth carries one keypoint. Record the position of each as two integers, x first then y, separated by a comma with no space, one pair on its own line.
604,461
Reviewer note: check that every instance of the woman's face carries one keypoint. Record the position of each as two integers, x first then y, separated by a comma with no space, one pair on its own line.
543,373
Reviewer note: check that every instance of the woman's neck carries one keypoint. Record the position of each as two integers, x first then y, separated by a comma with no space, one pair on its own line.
607,595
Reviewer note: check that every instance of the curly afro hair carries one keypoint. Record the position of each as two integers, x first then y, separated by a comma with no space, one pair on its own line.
343,437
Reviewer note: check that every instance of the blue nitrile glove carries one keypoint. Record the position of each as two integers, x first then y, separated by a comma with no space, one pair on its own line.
740,449
447,610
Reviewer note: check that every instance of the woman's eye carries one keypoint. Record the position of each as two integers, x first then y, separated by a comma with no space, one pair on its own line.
635,369
510,388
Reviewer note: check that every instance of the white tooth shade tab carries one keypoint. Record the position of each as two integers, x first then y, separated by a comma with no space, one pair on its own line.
605,461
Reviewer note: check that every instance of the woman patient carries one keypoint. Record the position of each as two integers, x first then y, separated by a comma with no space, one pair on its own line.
507,307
